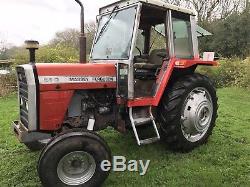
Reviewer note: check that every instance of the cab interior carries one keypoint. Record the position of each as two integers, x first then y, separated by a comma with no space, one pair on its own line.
152,46
151,50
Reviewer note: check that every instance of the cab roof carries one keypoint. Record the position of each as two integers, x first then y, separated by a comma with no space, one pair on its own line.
157,3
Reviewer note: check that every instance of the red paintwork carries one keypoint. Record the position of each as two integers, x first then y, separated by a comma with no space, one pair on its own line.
55,98
186,63
163,79
100,69
76,86
164,82
53,107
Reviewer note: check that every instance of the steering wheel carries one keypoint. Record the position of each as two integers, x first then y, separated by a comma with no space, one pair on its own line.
139,50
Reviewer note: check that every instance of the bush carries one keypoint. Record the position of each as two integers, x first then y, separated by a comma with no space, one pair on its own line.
57,54
3,89
8,84
230,36
244,80
46,54
230,72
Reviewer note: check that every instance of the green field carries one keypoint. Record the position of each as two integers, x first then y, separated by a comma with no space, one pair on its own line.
224,161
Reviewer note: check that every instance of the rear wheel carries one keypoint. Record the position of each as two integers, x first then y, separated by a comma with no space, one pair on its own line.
188,112
74,159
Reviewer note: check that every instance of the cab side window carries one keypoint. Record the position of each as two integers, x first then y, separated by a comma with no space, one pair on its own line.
139,49
182,38
158,39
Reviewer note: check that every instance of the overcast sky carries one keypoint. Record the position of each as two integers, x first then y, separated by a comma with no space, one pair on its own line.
41,19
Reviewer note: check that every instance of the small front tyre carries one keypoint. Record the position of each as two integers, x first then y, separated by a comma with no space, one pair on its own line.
34,146
74,159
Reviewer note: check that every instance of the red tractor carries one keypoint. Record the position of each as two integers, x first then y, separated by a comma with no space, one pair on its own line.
141,74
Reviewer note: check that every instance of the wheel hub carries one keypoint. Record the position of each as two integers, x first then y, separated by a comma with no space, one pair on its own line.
76,168
197,114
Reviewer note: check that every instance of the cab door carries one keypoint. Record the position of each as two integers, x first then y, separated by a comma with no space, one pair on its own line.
150,51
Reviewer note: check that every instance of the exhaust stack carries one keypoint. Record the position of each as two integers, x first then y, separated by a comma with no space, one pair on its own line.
32,46
82,37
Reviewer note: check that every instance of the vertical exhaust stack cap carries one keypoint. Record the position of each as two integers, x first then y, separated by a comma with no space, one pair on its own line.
32,46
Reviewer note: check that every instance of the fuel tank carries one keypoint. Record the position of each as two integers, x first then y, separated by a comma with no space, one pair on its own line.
55,77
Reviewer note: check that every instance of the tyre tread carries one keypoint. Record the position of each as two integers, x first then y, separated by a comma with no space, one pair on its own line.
170,107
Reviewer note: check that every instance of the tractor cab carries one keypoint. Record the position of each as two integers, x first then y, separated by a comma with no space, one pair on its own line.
147,40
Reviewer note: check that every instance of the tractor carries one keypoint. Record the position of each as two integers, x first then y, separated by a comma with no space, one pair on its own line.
140,77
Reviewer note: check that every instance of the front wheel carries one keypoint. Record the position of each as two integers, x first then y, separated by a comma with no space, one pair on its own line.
35,146
188,112
74,159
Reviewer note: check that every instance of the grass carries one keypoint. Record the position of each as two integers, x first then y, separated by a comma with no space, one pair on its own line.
224,161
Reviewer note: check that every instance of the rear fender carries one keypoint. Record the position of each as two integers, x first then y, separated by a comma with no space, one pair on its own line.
178,67
187,63
169,71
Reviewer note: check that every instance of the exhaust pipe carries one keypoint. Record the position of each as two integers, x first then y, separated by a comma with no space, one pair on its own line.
32,46
82,37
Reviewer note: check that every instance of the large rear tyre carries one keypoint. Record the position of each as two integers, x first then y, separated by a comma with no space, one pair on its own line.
74,159
188,112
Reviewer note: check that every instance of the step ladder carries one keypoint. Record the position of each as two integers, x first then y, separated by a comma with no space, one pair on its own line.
136,122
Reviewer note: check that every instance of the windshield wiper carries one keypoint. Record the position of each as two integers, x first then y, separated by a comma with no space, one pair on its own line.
103,29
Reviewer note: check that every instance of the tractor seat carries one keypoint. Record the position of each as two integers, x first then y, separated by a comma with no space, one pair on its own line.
147,67
153,61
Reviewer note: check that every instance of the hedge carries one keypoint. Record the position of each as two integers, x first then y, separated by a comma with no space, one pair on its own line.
230,73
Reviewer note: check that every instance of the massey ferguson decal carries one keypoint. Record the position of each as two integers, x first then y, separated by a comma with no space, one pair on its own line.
74,79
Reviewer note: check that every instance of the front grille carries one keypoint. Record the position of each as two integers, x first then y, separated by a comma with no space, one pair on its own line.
23,96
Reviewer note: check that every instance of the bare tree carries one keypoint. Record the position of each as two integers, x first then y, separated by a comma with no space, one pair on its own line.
90,27
229,7
2,45
67,38
208,10
3,49
70,37
175,2
90,32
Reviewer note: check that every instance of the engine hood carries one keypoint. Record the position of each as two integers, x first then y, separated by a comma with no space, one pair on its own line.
53,77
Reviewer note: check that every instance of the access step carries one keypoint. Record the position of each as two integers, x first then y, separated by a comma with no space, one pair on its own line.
142,121
147,120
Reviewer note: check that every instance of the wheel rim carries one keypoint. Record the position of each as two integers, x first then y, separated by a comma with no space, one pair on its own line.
197,114
76,168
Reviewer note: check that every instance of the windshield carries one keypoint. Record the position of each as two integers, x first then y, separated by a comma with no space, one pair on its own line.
114,36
